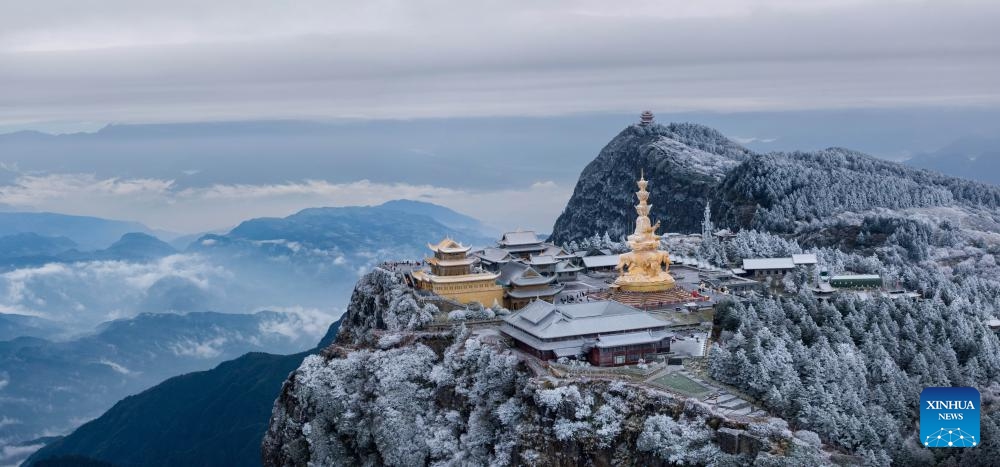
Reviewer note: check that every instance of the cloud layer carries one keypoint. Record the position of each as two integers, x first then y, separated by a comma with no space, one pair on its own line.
86,293
185,61
156,201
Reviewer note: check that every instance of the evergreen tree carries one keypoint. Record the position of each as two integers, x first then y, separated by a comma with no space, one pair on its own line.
711,249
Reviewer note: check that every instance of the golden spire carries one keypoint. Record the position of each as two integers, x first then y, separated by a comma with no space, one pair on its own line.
646,267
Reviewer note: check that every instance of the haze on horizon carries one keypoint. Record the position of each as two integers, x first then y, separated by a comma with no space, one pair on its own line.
550,82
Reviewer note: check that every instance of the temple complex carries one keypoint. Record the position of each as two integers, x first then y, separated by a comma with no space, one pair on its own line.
454,274
645,268
555,309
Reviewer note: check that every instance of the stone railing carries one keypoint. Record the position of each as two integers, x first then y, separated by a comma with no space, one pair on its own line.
469,324
613,371
444,304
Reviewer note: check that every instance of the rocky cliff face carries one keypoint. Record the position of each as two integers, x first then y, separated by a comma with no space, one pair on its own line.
684,163
404,397
381,301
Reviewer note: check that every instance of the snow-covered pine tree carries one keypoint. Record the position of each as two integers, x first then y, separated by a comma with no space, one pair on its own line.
711,249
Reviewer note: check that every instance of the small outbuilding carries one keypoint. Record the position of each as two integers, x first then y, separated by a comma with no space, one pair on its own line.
856,281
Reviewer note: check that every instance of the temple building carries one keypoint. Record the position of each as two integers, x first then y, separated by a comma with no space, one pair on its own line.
545,264
524,246
646,267
492,259
522,243
606,333
567,271
454,274
524,284
763,268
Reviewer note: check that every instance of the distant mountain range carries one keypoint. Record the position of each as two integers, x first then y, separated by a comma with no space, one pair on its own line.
972,157
352,236
462,223
51,385
360,228
309,259
214,417
33,239
31,249
88,233
14,325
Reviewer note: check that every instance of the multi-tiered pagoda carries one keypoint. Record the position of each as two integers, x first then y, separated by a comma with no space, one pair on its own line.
453,274
646,118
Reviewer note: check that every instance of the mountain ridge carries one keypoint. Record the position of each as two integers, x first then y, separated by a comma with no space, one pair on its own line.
211,417
747,190
88,232
125,356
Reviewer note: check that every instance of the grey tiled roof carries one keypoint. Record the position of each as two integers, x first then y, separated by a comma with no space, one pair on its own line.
805,258
535,292
510,271
531,277
493,255
751,264
566,266
632,338
524,237
523,248
543,260
600,261
548,321
553,250
563,348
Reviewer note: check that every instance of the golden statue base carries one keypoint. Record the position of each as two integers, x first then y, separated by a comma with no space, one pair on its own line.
644,286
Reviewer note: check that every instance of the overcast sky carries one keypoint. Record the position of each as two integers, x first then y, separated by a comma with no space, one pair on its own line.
68,65
192,60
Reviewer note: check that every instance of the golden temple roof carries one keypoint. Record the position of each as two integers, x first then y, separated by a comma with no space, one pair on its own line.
477,276
448,246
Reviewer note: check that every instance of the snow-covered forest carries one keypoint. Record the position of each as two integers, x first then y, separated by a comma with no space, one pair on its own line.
802,187
455,399
852,369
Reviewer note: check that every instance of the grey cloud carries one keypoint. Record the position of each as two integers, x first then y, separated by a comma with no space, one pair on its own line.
500,58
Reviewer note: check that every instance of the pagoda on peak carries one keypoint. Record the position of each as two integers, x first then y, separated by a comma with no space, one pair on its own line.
646,118
455,274
646,267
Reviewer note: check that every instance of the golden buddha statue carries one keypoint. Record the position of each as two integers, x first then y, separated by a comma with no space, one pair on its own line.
646,267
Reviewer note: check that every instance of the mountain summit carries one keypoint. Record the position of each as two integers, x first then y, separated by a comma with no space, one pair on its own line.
683,162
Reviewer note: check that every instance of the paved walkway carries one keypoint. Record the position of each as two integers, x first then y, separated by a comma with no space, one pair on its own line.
718,398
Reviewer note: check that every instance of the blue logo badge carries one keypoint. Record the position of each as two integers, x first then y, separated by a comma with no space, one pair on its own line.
949,417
